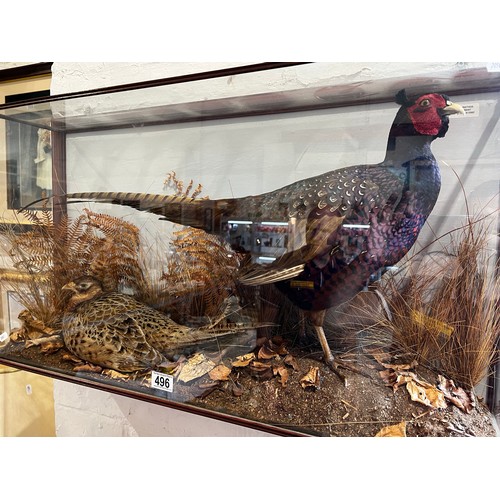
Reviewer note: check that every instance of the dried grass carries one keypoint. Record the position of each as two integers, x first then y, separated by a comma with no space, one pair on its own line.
445,307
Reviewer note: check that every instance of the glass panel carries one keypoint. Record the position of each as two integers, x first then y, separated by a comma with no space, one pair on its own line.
253,255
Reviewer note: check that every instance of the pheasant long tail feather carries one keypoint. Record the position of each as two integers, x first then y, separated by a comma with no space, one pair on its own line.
197,213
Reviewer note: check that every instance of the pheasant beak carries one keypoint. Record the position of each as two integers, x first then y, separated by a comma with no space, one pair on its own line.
452,108
69,286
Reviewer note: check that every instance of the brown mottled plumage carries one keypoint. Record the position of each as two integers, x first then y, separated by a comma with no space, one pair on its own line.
114,330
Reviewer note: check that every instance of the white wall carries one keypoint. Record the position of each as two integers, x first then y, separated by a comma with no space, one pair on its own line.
82,411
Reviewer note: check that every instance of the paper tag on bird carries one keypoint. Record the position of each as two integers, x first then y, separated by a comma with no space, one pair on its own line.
162,381
431,323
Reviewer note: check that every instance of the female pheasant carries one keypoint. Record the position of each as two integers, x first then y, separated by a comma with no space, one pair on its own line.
114,330
352,221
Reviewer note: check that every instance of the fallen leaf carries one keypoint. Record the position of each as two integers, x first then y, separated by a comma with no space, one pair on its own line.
310,380
43,340
404,366
261,370
114,374
389,377
208,388
88,368
71,358
291,361
456,395
244,360
18,334
282,372
426,394
383,358
237,389
195,367
396,379
265,352
220,372
403,378
277,344
398,430
52,346
380,356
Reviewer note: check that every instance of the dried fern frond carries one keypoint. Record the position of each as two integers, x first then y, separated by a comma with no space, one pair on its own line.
102,245
172,182
205,268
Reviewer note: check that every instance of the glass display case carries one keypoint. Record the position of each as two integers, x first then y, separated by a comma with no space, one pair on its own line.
319,260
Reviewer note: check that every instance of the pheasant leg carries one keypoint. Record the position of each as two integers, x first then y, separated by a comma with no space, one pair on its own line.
329,359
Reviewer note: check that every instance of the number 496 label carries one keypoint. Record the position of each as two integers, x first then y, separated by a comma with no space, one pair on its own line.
162,381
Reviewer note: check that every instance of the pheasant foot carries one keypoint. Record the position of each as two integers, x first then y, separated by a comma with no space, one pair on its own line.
329,359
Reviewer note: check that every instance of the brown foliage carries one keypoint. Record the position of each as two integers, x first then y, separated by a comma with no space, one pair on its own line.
172,182
103,246
205,267
446,313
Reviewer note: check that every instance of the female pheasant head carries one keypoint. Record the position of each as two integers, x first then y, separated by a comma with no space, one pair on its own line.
83,289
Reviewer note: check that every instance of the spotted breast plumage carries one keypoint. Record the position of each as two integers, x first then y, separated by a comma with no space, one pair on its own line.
114,330
353,221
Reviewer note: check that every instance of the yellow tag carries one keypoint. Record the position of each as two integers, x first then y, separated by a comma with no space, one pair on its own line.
431,323
302,284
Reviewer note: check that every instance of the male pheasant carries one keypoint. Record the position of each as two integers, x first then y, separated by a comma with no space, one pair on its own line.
354,221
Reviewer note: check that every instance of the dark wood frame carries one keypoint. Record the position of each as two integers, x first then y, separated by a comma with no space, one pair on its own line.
26,71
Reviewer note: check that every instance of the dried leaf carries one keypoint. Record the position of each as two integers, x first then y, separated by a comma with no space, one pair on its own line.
237,389
52,346
208,388
71,358
455,395
380,356
404,378
426,394
114,374
277,344
44,340
310,380
220,372
261,370
88,368
265,352
291,361
383,358
389,377
258,365
17,334
244,360
405,366
395,379
195,367
398,430
283,374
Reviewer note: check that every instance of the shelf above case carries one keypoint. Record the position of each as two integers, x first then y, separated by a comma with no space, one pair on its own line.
164,101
